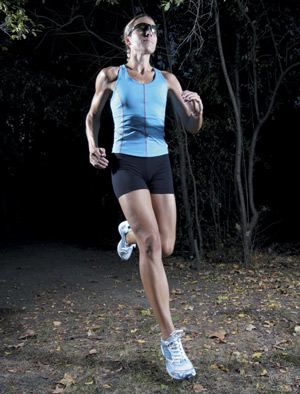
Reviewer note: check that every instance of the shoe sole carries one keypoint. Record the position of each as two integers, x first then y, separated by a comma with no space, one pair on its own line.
122,257
120,232
187,375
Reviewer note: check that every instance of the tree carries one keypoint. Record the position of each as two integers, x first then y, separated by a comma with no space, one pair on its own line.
53,74
16,24
261,60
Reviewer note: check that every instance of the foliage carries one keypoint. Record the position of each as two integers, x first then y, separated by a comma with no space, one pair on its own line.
112,2
17,23
167,4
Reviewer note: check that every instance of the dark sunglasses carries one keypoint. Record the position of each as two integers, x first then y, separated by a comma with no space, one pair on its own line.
143,27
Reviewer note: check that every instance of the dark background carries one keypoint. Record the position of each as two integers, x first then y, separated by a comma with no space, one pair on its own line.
48,188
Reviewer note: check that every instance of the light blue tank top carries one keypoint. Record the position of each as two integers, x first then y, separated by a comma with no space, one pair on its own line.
139,115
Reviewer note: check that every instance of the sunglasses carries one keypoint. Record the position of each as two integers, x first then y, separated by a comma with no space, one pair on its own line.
143,27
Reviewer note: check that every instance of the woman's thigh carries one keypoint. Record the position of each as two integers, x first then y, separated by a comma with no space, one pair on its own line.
152,218
164,207
138,210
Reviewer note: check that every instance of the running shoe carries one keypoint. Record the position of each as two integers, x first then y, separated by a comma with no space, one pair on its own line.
124,249
177,363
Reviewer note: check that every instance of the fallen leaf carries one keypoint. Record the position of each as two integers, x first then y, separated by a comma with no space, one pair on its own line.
264,373
297,330
58,390
267,323
250,327
218,334
18,346
177,291
146,313
198,388
28,334
67,380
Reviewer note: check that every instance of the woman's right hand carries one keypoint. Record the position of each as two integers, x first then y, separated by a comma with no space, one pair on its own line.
98,158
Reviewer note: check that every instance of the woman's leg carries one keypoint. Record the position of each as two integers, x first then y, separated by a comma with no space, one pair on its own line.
164,207
153,221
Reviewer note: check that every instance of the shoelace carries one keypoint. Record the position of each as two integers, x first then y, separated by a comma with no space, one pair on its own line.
175,346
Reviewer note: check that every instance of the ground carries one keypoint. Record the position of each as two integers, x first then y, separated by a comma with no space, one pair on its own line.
76,320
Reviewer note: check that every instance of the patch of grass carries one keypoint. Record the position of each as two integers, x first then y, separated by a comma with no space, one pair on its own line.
287,358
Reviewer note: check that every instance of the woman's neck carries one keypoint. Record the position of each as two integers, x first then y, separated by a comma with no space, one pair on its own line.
141,63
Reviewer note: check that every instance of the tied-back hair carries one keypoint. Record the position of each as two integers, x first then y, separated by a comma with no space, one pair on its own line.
128,28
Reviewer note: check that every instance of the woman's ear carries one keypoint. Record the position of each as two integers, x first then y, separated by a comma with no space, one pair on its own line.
127,40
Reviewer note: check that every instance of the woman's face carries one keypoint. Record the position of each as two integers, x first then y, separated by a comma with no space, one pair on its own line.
143,38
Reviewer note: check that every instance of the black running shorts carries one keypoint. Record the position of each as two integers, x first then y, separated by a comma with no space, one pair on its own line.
131,173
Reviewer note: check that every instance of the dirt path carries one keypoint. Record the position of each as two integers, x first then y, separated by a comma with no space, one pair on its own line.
76,320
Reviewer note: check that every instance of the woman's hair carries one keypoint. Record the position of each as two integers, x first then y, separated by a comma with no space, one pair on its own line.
128,28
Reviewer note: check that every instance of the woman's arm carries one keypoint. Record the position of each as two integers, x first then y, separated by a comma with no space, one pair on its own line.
104,86
188,105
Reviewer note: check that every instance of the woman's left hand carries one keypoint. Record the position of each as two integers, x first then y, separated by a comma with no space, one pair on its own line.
193,102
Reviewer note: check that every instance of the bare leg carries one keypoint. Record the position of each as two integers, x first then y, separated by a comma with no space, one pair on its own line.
164,207
144,214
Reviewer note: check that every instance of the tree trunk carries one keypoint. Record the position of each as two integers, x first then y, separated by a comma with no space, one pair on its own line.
235,99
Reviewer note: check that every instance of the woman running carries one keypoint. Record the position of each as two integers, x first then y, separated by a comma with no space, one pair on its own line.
140,166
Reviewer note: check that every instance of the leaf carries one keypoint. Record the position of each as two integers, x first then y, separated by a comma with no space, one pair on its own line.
28,334
218,334
256,355
264,373
18,346
297,330
250,327
146,313
177,291
67,380
58,390
189,308
198,388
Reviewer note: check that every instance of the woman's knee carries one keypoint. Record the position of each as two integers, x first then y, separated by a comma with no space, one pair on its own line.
149,243
167,248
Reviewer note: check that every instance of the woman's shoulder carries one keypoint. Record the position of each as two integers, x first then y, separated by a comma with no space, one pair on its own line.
169,77
109,74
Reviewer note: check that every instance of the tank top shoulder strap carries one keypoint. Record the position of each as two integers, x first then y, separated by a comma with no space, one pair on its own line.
119,77
159,75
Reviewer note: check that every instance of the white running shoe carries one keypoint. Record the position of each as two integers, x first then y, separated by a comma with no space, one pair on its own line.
124,249
177,363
